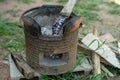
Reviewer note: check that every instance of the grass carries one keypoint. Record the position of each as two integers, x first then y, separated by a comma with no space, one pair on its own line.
2,0
48,0
112,5
27,1
114,11
12,37
87,9
62,1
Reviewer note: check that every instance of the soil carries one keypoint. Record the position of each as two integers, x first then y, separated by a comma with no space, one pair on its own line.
4,68
12,9
109,23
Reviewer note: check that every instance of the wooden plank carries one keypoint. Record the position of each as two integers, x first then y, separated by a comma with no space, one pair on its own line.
118,47
89,52
14,72
23,67
68,7
85,49
96,57
103,50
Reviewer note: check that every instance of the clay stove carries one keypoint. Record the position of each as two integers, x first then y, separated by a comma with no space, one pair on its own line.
50,55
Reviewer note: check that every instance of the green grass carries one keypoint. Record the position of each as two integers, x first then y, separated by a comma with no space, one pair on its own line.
12,37
112,5
114,11
2,0
48,0
87,9
27,1
62,1
68,76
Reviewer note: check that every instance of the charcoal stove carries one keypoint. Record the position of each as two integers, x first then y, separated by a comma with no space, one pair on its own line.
46,54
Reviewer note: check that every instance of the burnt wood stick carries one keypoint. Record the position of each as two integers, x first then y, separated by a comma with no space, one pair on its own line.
22,66
64,14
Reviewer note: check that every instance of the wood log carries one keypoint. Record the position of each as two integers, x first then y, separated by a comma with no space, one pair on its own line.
89,52
85,49
96,57
23,67
103,50
14,72
118,47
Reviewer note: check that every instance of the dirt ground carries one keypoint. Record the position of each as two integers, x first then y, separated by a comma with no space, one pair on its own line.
12,9
4,67
108,23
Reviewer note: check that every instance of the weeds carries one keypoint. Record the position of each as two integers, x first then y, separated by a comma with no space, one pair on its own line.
2,0
48,0
12,37
62,1
27,1
114,11
112,5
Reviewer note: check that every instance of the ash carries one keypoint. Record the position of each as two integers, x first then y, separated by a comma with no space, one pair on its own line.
46,30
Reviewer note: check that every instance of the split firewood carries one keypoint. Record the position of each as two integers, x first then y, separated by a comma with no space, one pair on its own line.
106,70
89,52
15,74
96,57
23,67
118,47
100,48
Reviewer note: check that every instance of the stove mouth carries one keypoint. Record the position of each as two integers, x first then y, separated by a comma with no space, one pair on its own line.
53,56
54,59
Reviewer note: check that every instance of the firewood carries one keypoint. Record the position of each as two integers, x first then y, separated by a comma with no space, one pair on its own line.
89,52
96,57
100,48
23,67
118,47
15,74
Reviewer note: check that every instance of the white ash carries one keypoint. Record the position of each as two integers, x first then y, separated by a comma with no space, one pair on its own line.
46,30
